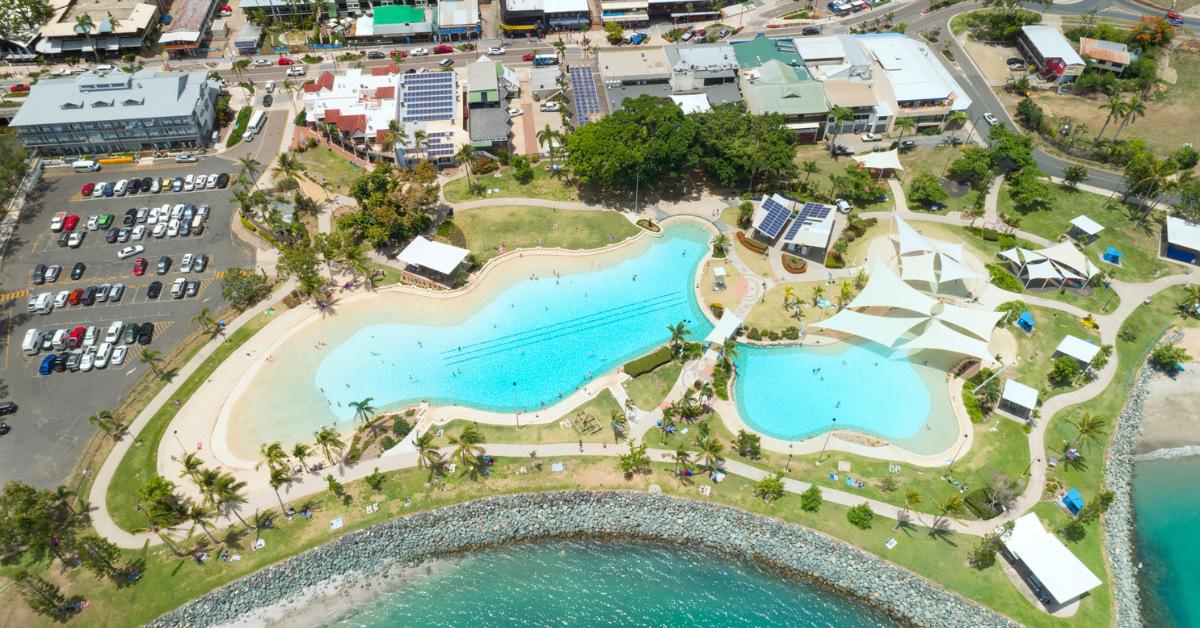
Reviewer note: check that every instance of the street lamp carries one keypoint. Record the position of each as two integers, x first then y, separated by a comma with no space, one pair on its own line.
180,442
515,409
952,460
1029,467
789,462
830,433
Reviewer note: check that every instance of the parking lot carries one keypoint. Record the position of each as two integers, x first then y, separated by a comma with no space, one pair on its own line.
50,428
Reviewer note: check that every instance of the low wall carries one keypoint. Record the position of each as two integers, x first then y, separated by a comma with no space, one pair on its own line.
791,549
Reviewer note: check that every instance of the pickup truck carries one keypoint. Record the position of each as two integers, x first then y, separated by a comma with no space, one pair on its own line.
56,223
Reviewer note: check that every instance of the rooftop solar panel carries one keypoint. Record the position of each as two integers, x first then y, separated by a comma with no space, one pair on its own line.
776,216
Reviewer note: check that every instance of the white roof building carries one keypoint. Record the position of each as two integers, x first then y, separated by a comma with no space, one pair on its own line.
1183,234
438,256
915,75
726,327
692,103
1051,43
1077,348
1017,393
1060,571
820,50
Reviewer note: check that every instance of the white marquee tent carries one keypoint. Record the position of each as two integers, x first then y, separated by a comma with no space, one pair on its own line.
437,256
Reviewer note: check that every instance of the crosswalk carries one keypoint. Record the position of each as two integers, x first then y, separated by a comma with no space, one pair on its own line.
15,294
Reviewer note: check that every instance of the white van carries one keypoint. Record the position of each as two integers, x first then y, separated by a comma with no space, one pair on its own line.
177,288
45,303
256,122
59,341
270,87
86,165
197,221
32,343
102,69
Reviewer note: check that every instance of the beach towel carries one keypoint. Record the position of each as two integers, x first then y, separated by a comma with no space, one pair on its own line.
706,490
451,467
850,482
375,508
891,543
891,468
897,468
235,558
833,477
439,432
336,524
557,466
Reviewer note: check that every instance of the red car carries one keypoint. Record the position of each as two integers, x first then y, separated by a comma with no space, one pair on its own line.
70,222
139,266
74,297
88,189
437,51
702,32
285,61
19,88
528,57
400,53
75,338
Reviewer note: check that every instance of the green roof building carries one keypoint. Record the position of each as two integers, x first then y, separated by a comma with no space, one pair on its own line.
752,54
776,87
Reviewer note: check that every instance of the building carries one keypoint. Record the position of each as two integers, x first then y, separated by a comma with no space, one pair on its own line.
541,16
396,24
117,29
458,20
1083,351
761,49
629,14
118,112
709,69
778,88
1182,240
248,38
487,110
1056,60
427,260
909,82
817,51
1018,399
545,82
190,20
1106,55
682,11
1057,576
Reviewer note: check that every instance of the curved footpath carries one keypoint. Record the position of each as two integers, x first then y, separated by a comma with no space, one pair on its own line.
368,555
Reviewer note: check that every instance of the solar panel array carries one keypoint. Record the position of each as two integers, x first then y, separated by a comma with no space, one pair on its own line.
810,213
583,86
428,96
776,215
437,147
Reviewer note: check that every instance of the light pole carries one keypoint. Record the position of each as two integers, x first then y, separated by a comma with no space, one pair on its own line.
180,442
952,460
1039,344
789,462
1029,467
830,433
515,409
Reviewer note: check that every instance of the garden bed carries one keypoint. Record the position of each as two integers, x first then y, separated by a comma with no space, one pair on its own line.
794,265
649,226
751,244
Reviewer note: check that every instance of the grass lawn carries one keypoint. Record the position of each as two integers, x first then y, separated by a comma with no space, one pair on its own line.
337,170
648,391
725,297
757,263
141,463
933,160
770,313
1050,330
518,227
600,407
856,253
963,21
390,274
544,186
1169,113
1139,245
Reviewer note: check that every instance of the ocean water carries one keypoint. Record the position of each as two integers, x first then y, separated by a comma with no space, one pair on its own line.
605,584
1166,500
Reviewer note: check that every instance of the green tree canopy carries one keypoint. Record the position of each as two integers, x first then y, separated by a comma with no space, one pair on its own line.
736,145
927,188
647,139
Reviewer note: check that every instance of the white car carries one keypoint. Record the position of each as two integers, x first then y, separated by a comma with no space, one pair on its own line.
130,251
189,183
120,188
177,210
991,119
871,137
177,287
89,339
93,223
173,227
152,219
160,230
139,232
156,186
496,51
99,191
212,181
512,113
76,239
103,354
261,62
550,106
295,71
201,180
61,299
186,265
87,361
114,331
418,52
118,355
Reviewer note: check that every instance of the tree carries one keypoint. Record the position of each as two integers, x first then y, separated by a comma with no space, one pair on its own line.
620,423
748,445
250,168
1191,297
1102,358
1151,179
1065,370
911,497
192,465
1029,112
1025,188
647,139
200,515
363,409
709,455
635,460
950,508
427,454
614,32
983,555
860,516
721,242
375,480
335,487
151,358
974,164
466,445
159,522
329,441
548,137
242,288
1091,511
736,145
838,117
299,263
926,188
818,292
957,119
905,124
99,556
810,500
279,477
1005,6
203,319
1074,175
1115,108
745,213
466,157
84,24
1134,109
809,167
1152,32
42,597
770,488
679,332
19,16
28,518
681,457
107,422
1168,357
273,456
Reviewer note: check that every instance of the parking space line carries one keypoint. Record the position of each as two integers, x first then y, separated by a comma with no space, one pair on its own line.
7,339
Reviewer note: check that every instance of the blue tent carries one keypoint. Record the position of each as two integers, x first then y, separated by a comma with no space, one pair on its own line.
1073,501
1026,322
1112,255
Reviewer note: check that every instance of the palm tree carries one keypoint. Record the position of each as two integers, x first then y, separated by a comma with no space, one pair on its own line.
200,515
681,457
420,141
159,522
678,332
398,134
84,24
1115,107
427,454
721,242
1156,174
203,319
301,451
818,292
151,358
562,49
710,453
949,508
546,137
706,392
789,295
241,198
279,477
1191,297
1090,428
958,117
229,497
466,445
329,441
238,68
729,348
191,465
354,257
286,168
250,169
466,155
846,293
107,422
810,168
363,409
209,482
620,424
273,456
905,124
911,497
62,493
1134,109
837,117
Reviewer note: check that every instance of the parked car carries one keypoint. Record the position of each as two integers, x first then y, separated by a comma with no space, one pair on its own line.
185,159
77,271
201,263
70,222
550,106
267,102
139,232
64,238
261,62
496,51
131,331
88,189
376,54
76,239
223,180
906,144
139,266
19,87
193,287
871,137
146,332
443,49
118,355
420,52
512,113
528,57
154,289
52,273
110,236
164,265
177,184
130,251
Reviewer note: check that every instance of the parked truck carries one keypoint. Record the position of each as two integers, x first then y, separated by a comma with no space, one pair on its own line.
56,224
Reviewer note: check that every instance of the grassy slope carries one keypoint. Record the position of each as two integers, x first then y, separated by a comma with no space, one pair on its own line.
503,225
543,186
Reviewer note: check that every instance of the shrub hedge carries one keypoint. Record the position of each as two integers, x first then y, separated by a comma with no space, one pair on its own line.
239,129
644,365
751,244
1004,279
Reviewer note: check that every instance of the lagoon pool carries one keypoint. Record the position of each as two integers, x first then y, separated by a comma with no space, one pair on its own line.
549,336
781,393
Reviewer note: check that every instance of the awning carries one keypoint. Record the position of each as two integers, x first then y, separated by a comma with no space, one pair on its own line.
1078,348
885,289
940,337
725,329
1066,253
884,330
719,271
1111,252
1087,225
880,161
438,256
1019,394
953,271
975,322
918,268
803,126
1060,571
1042,270
628,17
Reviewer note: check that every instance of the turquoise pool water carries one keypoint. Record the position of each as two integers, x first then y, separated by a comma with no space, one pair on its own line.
1166,501
781,393
550,336
593,584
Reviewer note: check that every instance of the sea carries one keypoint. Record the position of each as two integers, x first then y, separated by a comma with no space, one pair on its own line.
587,583
1166,501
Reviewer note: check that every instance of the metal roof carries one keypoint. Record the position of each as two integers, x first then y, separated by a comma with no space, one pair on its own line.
1051,44
113,97
779,89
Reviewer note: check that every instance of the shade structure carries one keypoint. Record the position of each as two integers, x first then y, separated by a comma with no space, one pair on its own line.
880,161
910,240
884,330
918,268
438,256
1078,348
1087,225
1062,573
1066,253
725,328
1042,270
885,289
953,251
1021,256
719,271
953,271
939,336
1019,394
976,322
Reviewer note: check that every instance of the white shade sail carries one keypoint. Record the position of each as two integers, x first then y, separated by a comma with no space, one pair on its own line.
910,240
918,268
438,256
889,160
952,270
1020,394
953,251
1066,253
882,329
1078,348
976,322
940,337
725,328
1087,225
885,289
1021,256
1042,270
